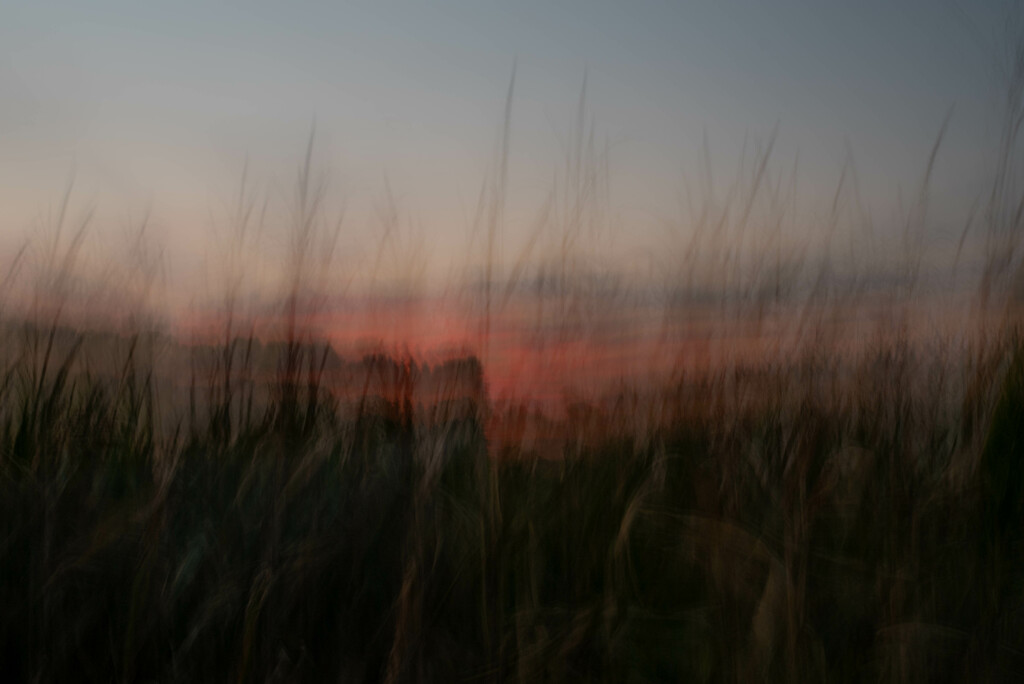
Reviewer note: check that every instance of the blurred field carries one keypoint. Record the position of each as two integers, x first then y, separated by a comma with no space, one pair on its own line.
818,520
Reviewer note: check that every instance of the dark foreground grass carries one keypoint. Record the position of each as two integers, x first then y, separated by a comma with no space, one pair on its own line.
799,524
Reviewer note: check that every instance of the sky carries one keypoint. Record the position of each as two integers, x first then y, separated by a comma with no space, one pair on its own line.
155,110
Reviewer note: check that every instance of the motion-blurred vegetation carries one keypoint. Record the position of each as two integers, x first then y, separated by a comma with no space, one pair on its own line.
249,507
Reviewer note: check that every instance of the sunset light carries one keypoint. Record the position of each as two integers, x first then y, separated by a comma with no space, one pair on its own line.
538,341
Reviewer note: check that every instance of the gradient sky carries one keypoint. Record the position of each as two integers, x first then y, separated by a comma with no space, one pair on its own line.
158,107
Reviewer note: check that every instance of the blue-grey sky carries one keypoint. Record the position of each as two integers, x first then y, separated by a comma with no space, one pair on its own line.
158,106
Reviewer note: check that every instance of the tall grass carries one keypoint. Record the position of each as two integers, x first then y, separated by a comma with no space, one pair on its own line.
830,532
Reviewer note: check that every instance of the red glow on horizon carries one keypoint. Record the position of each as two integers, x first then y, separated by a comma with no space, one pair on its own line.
527,357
